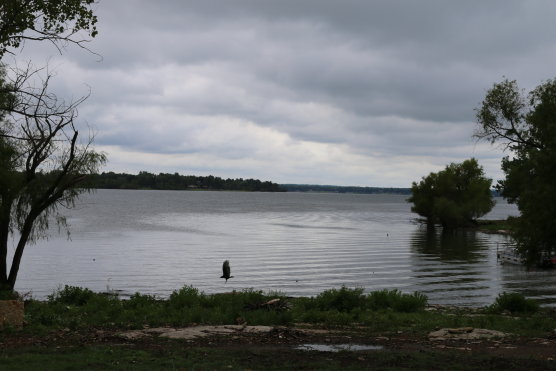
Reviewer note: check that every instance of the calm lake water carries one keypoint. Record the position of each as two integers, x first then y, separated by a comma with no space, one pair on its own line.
155,242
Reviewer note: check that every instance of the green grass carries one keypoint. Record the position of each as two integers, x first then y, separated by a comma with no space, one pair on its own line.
513,302
75,308
174,356
349,300
379,311
115,358
344,306
78,312
9,295
397,301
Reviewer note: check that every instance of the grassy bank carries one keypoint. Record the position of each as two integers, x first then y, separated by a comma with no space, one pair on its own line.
76,308
77,329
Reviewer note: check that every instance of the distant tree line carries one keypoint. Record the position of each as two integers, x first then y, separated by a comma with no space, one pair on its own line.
162,181
343,189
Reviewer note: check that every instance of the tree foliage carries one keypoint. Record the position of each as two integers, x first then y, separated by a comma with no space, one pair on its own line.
42,164
453,197
56,21
146,180
525,124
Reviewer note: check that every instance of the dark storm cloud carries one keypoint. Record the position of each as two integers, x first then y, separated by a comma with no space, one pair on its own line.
367,92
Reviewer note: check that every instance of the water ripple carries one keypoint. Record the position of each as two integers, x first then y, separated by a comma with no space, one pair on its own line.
299,244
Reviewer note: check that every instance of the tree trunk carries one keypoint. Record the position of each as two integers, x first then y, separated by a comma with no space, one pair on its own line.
3,262
25,233
4,234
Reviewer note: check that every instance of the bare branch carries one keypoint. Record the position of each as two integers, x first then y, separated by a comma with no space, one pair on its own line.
42,160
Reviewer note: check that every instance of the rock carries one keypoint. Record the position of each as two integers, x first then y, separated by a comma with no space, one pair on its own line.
465,333
11,314
461,330
204,331
193,332
132,335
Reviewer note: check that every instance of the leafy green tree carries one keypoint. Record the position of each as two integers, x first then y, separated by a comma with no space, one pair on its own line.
525,125
453,197
56,21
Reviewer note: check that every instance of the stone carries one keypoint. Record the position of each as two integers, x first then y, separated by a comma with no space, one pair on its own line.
465,333
192,332
461,330
11,314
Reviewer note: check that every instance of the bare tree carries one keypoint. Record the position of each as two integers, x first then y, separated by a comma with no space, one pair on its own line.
42,162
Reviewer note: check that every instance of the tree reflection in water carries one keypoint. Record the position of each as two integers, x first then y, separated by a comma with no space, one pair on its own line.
450,246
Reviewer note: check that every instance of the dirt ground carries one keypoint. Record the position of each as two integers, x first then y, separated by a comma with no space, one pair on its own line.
282,345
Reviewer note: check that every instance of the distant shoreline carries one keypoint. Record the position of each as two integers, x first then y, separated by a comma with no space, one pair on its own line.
175,182
171,182
313,188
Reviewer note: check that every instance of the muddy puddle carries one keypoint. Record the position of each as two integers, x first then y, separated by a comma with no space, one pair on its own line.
338,347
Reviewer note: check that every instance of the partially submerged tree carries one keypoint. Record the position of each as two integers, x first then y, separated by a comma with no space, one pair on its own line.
453,197
526,126
42,164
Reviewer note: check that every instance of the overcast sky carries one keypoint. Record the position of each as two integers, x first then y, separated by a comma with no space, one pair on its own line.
344,92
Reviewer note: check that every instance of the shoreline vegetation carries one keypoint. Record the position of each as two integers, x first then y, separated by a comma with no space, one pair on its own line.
344,189
496,226
491,226
78,327
166,181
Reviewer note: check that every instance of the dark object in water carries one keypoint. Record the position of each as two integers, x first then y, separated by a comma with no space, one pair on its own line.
226,270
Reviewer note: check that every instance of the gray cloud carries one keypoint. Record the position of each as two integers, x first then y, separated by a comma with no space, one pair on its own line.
351,92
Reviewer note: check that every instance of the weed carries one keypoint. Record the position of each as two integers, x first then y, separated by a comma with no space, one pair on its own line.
342,300
396,300
9,295
187,296
379,311
71,295
513,302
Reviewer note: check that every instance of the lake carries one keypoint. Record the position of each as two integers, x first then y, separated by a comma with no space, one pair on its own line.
155,242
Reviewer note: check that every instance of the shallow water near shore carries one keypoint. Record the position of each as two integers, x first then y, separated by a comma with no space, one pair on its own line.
300,244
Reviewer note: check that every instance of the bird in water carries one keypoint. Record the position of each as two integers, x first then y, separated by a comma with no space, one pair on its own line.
226,271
